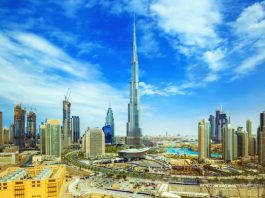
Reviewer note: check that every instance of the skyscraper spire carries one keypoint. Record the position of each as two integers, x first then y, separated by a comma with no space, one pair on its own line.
135,66
134,131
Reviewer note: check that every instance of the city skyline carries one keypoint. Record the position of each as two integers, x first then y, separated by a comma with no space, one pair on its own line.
183,79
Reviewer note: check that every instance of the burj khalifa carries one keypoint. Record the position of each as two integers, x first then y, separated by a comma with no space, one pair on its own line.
134,131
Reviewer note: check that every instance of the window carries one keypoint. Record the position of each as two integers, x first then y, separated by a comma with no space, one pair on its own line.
52,180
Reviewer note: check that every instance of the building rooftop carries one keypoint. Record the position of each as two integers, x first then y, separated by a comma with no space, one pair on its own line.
29,173
15,175
134,150
45,173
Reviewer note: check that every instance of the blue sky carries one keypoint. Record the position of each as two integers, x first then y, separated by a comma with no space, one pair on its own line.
194,56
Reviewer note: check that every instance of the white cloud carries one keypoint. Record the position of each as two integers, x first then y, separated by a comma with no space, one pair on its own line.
214,59
35,76
211,77
250,63
148,45
251,22
138,7
70,7
168,90
147,89
192,21
37,43
191,29
249,28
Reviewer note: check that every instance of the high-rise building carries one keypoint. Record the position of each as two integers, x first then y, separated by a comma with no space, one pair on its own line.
93,142
75,128
242,143
261,139
5,136
109,138
253,146
258,144
134,131
66,123
11,133
221,119
204,146
110,121
42,139
212,127
218,127
51,138
249,127
1,128
250,137
228,142
234,141
31,129
19,126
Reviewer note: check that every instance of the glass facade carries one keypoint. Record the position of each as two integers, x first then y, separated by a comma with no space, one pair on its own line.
75,128
109,136
221,119
110,121
19,126
53,138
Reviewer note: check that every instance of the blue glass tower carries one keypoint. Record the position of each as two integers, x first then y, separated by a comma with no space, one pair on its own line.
109,136
220,120
110,120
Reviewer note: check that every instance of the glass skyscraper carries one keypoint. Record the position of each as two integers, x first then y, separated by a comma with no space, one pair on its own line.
134,131
228,143
75,128
204,146
53,138
109,136
109,125
221,119
212,127
19,126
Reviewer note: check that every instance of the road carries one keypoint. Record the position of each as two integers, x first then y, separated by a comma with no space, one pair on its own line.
71,158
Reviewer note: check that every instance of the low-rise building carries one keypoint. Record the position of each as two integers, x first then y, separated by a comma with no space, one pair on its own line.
5,136
11,149
119,140
133,153
37,182
8,158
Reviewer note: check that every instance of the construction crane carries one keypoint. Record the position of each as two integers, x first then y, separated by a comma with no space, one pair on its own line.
67,95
